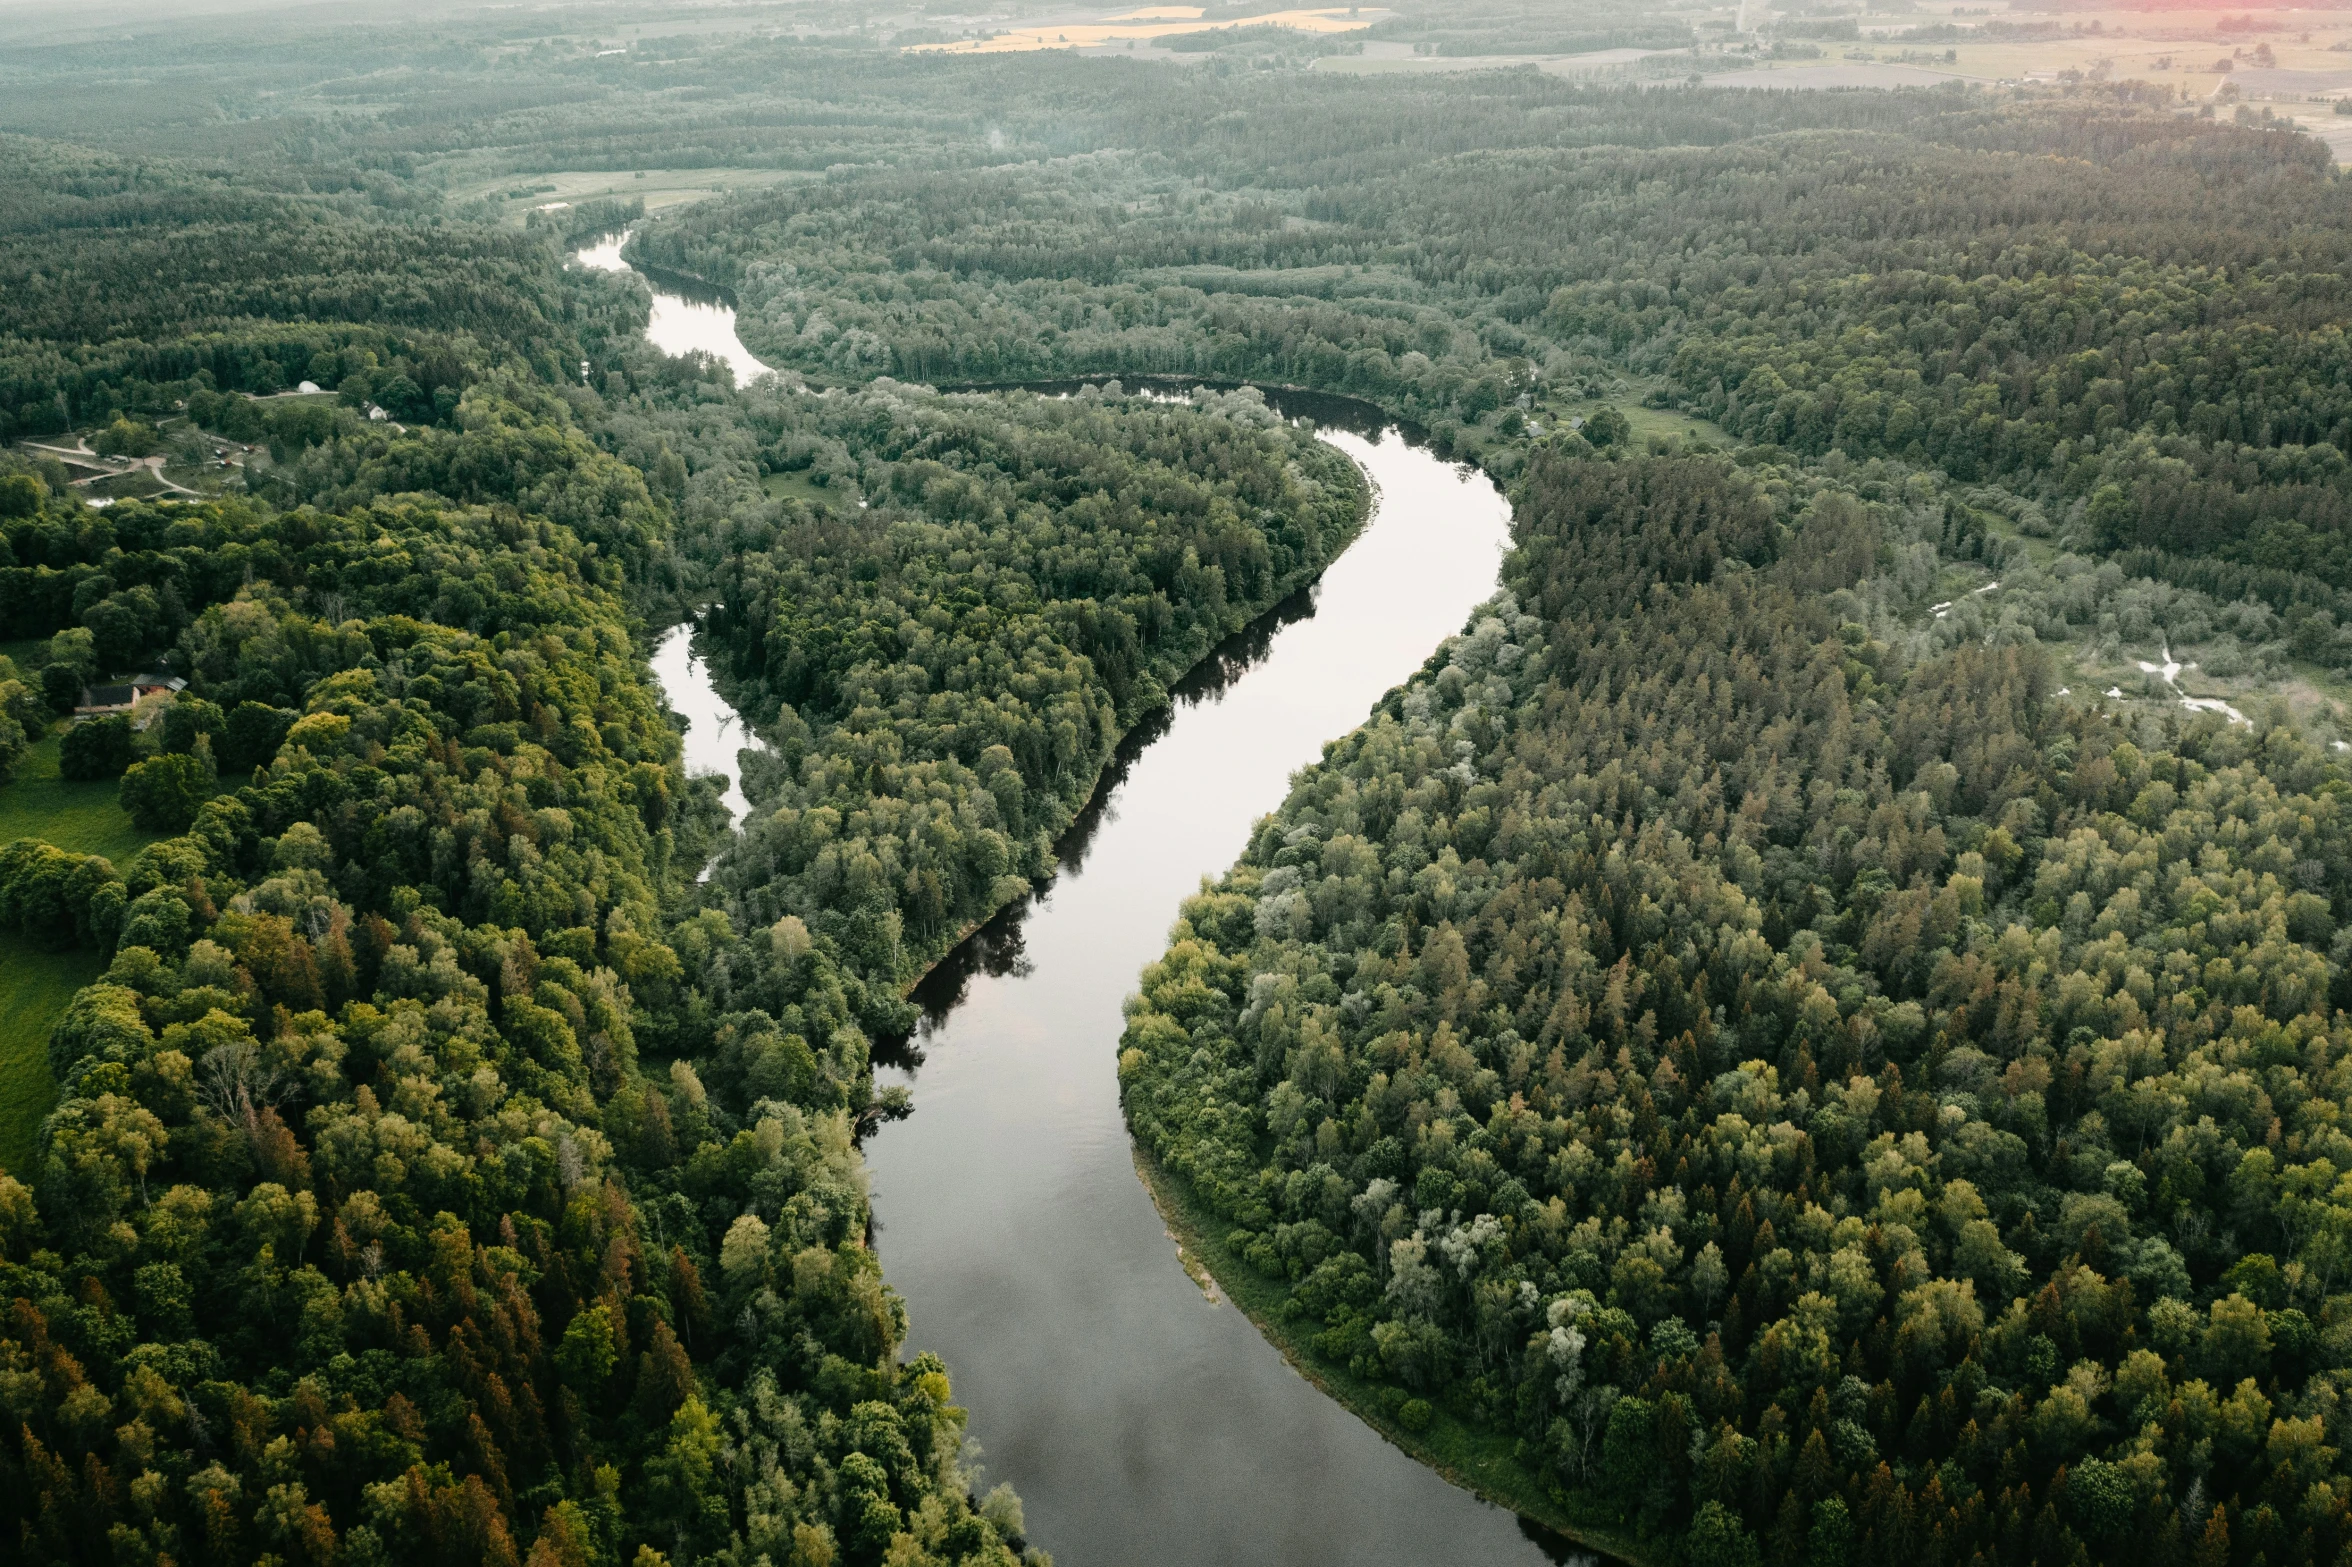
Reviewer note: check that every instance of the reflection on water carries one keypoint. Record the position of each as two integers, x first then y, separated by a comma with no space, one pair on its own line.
996,948
1138,1420
714,731
1328,411
688,315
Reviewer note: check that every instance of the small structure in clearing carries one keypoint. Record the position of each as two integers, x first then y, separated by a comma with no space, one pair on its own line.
120,696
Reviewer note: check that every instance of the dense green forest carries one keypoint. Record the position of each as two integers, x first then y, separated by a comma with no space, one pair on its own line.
1849,1105
429,1182
2097,302
132,284
950,679
1734,1024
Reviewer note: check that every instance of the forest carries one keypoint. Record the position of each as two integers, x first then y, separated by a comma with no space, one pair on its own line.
1744,1034
1923,276
1830,1104
397,994
948,689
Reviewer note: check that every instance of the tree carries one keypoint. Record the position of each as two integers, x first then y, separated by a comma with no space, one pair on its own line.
22,494
665,1377
1829,1542
163,793
590,1349
61,687
127,437
13,739
2099,1495
190,719
1606,427
96,749
1718,1538
252,735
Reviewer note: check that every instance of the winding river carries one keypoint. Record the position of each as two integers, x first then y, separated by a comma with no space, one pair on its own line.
1140,1419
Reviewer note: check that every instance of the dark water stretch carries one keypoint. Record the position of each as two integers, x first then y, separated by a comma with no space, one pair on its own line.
1140,1420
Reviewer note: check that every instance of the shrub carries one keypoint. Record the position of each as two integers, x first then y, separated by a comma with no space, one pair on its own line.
163,793
127,438
97,749
61,687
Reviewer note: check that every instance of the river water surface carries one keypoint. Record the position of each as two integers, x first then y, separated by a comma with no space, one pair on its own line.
1140,1420
685,318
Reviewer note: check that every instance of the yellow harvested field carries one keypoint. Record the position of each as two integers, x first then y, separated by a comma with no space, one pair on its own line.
1145,25
2282,57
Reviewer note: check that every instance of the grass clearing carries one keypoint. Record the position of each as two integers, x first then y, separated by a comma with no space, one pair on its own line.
660,187
800,487
35,984
83,817
1642,424
1665,422
1480,1461
34,988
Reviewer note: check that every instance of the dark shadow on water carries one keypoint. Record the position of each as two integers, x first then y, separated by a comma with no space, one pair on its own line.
996,948
694,290
686,286
1558,1547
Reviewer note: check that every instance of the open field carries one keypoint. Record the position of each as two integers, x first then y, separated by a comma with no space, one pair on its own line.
2217,56
1793,75
517,194
34,988
82,817
1648,422
1398,59
799,486
1644,423
1150,23
1389,59
2333,128
2274,57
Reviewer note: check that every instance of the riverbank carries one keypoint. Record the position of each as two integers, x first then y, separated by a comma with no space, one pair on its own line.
1134,1422
1027,1253
1478,1461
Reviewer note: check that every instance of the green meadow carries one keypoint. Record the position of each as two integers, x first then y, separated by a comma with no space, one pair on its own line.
35,984
34,987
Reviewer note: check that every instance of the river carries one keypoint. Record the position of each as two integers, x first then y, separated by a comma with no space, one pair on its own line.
686,317
1139,1419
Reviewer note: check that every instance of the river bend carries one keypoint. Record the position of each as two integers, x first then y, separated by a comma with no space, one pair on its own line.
1139,1419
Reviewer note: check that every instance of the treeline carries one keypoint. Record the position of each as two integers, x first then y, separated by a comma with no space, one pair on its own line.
1507,27
137,284
2075,296
1828,1107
